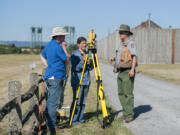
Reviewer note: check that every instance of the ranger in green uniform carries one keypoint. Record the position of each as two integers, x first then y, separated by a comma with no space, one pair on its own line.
125,64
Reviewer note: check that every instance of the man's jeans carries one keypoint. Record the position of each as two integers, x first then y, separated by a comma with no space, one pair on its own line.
80,106
54,91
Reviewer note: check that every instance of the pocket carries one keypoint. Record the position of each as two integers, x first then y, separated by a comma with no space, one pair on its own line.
51,84
54,88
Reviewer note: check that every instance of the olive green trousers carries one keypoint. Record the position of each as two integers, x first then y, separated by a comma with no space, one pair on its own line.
125,92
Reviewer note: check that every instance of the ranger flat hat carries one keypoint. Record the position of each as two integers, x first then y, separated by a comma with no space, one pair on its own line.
58,31
126,28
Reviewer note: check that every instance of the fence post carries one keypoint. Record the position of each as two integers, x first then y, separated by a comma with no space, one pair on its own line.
15,116
173,46
44,91
34,101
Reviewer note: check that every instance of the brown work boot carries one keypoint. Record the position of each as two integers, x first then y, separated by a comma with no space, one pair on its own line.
127,120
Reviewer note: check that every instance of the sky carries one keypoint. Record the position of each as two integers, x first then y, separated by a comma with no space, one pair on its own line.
104,16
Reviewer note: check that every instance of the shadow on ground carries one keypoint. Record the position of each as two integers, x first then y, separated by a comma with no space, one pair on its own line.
141,109
91,115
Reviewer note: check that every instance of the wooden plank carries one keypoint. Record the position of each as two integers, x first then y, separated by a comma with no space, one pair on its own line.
15,116
34,101
173,46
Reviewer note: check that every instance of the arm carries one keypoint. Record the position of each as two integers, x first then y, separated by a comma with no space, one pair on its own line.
66,52
134,59
77,63
44,57
67,60
90,64
44,61
112,59
62,54
115,70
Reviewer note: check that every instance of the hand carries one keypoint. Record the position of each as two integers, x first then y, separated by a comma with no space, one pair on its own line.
44,61
84,57
64,44
131,73
112,59
88,61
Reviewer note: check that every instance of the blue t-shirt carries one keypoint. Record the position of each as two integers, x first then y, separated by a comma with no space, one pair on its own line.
55,56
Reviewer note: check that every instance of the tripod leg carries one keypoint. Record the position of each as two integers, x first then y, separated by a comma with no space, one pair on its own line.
100,88
94,65
77,94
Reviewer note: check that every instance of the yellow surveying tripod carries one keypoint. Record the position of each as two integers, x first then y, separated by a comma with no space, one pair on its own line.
100,90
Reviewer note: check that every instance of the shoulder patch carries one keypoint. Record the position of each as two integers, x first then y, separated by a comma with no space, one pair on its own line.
132,45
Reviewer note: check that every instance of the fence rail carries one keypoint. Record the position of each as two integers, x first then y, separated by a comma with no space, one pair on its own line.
13,107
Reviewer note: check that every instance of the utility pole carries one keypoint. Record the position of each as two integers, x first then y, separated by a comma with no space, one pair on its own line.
71,30
36,36
149,20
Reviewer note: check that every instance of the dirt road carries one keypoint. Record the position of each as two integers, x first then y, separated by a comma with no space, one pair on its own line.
157,104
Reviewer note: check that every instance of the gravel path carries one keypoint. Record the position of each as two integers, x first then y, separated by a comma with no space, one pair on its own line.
157,104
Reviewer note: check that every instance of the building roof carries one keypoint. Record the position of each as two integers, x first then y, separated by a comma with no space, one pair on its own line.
148,23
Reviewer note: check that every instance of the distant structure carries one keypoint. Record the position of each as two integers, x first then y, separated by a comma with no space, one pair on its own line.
70,38
155,44
148,24
36,36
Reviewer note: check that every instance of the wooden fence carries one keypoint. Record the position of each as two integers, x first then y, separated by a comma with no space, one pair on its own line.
154,46
37,106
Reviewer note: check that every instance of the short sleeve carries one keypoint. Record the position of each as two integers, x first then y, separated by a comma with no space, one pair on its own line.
60,53
133,48
43,53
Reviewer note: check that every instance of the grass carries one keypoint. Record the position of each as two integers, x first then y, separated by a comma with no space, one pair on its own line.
92,127
164,72
16,67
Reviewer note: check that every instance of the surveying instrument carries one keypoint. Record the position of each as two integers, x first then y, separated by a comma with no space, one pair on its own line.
91,44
